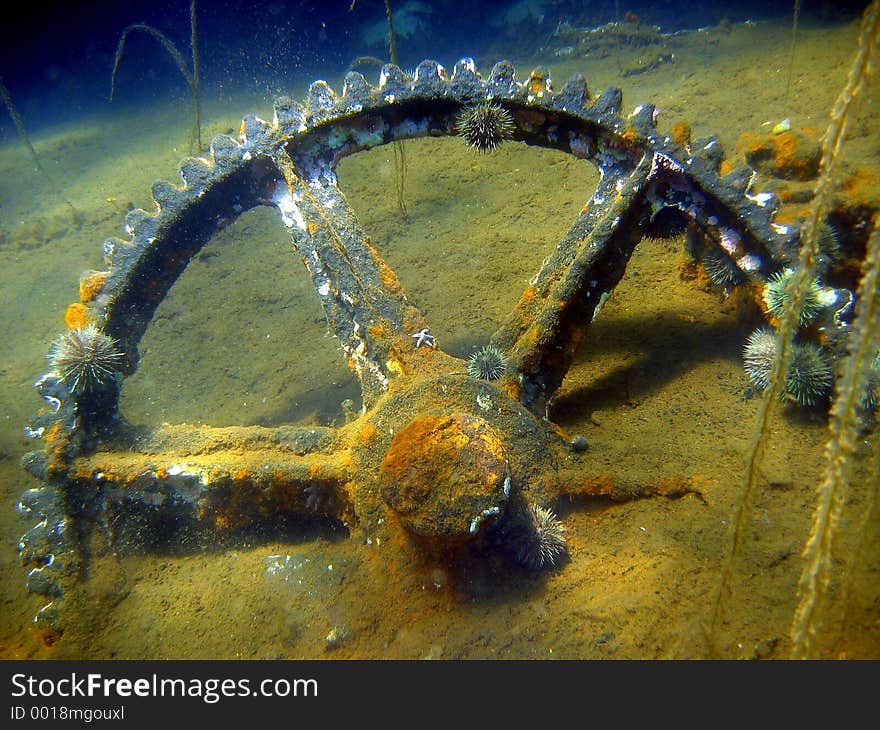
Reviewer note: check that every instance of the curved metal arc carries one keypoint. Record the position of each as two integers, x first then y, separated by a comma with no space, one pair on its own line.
143,269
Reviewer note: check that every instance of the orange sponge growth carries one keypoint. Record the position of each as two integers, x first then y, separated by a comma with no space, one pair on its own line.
91,284
791,155
77,316
681,134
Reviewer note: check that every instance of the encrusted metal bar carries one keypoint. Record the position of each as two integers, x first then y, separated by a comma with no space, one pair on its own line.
564,298
237,477
363,301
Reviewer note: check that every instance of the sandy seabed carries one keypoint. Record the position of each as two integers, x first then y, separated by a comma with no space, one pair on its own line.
657,390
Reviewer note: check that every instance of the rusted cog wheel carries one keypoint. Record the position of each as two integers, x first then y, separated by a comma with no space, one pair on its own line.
448,450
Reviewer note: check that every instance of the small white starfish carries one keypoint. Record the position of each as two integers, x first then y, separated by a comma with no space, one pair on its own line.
424,337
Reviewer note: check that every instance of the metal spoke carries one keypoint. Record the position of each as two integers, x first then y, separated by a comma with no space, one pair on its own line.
554,313
363,300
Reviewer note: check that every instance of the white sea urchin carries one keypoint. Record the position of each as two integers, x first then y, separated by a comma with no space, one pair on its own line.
85,358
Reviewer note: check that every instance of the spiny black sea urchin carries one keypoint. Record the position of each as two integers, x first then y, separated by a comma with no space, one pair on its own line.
666,223
537,538
484,126
85,359
487,363
721,268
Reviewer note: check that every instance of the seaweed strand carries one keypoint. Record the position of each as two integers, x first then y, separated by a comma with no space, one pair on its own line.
194,45
794,26
801,281
191,77
23,135
399,150
841,445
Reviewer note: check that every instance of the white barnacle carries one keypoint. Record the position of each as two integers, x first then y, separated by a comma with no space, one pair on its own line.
761,199
290,213
749,262
484,401
730,240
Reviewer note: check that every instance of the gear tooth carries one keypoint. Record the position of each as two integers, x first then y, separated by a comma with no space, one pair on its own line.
288,116
253,129
165,194
539,85
225,150
36,545
195,173
465,70
48,615
39,500
643,120
428,75
43,582
141,224
709,150
35,464
355,89
392,80
321,101
502,78
739,179
574,97
607,104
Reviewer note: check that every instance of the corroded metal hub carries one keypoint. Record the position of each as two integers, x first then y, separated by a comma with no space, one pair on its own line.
436,450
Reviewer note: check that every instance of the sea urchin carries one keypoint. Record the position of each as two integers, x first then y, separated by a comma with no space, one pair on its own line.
537,538
487,363
484,126
758,356
85,359
809,376
777,294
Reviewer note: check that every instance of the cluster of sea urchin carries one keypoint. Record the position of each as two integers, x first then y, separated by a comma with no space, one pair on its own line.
85,358
487,363
809,376
536,537
484,126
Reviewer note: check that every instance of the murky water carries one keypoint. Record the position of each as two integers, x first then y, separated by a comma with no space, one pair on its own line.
657,390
